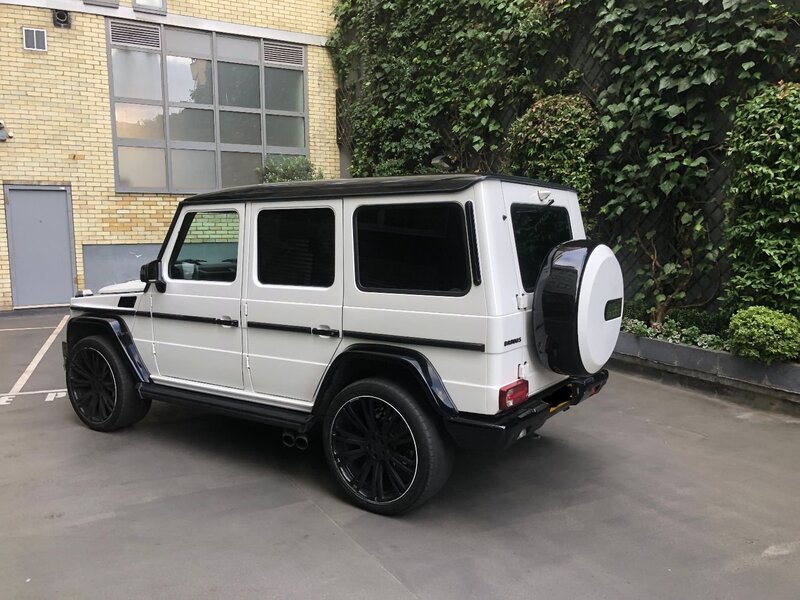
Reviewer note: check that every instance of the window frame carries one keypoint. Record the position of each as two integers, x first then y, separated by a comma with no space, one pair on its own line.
408,292
34,30
167,144
180,237
154,10
256,254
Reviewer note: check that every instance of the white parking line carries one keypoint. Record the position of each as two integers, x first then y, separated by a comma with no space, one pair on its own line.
26,328
38,392
23,379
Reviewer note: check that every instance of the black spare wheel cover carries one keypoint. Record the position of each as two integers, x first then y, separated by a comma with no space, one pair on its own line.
577,309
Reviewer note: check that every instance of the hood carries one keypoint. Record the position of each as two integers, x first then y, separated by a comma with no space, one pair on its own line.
129,287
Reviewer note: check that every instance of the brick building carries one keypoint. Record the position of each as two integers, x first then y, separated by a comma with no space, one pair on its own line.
120,108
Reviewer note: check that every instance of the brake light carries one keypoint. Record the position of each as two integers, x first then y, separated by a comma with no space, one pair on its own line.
513,394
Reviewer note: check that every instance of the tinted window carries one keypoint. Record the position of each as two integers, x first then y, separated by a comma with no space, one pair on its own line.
537,230
207,247
296,247
416,248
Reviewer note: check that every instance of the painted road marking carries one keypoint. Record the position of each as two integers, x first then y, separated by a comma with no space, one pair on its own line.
23,379
26,328
52,395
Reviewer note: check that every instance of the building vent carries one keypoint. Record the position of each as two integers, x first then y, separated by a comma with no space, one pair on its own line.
287,54
34,39
135,34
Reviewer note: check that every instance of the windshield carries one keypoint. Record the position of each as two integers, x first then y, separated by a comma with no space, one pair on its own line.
537,230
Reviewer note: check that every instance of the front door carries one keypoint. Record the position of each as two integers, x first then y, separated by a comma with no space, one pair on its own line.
40,245
294,297
196,320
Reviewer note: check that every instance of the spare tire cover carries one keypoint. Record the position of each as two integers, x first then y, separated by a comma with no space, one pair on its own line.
577,309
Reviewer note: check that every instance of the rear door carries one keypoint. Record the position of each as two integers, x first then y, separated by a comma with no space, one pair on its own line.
293,297
196,321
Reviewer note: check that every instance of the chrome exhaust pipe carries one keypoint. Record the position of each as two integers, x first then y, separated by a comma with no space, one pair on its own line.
288,439
301,442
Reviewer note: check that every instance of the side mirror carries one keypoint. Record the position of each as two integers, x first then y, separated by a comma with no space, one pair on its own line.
151,273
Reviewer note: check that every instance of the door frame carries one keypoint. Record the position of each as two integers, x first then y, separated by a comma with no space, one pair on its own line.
9,187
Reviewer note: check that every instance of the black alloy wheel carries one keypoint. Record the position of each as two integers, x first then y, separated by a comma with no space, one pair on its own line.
374,449
101,386
92,385
384,447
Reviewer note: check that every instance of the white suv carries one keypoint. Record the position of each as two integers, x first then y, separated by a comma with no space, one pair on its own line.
402,316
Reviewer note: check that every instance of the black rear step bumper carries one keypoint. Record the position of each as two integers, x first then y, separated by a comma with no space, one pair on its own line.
497,432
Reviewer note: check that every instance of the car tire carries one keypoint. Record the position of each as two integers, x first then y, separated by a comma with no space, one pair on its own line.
383,448
101,388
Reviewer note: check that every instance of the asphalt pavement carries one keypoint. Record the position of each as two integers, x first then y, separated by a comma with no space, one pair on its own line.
645,491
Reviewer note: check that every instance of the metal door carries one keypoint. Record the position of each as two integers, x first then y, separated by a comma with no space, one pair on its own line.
39,224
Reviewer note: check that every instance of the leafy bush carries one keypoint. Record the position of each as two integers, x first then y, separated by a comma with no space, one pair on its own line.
638,310
295,168
711,342
707,321
553,141
765,334
764,200
637,327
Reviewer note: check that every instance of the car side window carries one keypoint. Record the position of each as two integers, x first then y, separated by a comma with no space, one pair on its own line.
296,246
207,247
412,249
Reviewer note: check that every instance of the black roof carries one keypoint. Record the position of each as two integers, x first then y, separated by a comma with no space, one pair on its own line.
367,186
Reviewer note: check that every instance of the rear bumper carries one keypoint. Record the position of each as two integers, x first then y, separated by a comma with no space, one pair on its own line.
496,432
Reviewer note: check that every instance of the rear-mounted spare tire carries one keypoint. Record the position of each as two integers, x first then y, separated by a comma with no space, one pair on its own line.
577,309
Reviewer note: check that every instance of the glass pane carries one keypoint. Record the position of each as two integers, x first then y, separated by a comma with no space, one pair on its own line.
184,41
285,131
136,74
240,168
193,169
189,80
159,4
239,128
30,42
41,39
139,121
537,230
284,89
233,48
416,248
238,85
191,125
141,167
296,247
207,247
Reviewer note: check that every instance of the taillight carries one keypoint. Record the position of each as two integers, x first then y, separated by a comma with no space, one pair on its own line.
513,394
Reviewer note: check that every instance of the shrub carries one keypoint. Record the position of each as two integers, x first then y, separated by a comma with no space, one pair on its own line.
711,341
554,141
765,334
296,168
707,321
637,327
763,226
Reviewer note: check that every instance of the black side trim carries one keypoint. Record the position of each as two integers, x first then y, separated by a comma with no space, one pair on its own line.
356,360
472,238
193,318
105,312
401,339
253,411
278,327
127,302
83,325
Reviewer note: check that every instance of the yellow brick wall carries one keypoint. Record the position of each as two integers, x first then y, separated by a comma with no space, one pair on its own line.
57,105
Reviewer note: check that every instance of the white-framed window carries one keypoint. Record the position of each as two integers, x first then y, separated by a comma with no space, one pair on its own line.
195,110
34,39
151,6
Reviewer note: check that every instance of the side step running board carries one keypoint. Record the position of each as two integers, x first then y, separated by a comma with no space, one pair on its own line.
294,420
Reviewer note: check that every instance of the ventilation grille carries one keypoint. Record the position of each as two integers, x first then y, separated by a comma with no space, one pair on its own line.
286,54
135,34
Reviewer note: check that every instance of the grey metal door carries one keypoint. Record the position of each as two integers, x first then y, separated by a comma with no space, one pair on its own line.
39,223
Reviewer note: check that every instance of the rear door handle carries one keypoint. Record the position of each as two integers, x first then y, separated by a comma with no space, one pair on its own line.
226,321
325,331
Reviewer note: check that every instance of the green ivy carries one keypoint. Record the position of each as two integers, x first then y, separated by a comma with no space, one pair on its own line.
764,201
671,66
554,141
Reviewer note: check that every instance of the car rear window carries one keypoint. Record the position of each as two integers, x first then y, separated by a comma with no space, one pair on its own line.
412,249
537,230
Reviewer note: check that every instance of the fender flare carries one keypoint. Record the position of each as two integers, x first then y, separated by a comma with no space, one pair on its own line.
412,363
116,330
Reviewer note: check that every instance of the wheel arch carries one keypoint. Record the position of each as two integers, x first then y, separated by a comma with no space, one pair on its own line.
113,329
403,365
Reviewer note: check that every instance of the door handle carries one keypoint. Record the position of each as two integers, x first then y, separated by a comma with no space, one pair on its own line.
226,321
325,331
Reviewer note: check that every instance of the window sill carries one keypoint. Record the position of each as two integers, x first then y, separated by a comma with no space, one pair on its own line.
150,10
